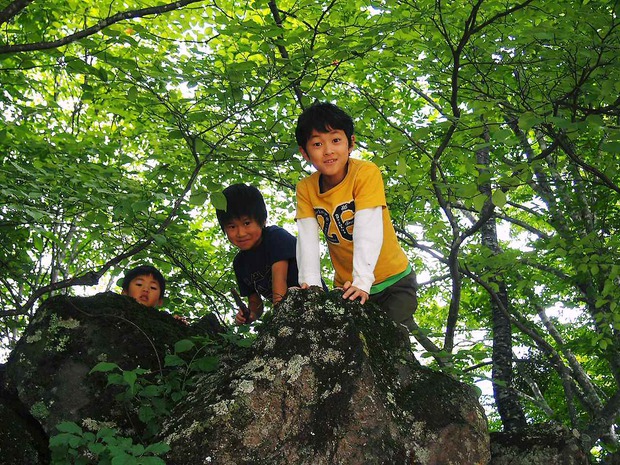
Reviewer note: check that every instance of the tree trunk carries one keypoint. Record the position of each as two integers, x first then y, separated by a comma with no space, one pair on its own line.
506,399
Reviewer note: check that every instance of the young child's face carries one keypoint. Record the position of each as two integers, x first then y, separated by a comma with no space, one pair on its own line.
146,290
329,153
244,232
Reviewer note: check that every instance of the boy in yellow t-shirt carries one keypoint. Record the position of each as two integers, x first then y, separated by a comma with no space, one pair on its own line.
345,198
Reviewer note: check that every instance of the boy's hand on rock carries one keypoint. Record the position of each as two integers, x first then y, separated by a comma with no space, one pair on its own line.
240,319
352,292
182,319
307,286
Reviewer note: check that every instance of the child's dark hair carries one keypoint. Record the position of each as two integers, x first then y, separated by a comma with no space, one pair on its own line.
144,270
242,200
322,117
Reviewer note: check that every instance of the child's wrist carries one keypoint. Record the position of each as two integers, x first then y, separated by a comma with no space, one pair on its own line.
362,286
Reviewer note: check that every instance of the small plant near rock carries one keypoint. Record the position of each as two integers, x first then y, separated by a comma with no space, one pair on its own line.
105,447
151,395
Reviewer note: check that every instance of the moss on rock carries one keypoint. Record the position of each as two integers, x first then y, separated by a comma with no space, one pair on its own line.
327,381
49,367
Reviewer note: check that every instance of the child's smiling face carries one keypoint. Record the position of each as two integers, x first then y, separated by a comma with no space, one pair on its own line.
329,154
146,290
245,232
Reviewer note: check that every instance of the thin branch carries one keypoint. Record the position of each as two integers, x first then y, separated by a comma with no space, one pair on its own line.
563,371
606,417
578,373
501,216
537,399
13,10
547,269
434,280
431,348
505,13
570,151
477,366
91,278
282,49
103,24
411,241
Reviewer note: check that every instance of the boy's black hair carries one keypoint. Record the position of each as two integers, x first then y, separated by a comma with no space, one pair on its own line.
322,117
242,200
144,270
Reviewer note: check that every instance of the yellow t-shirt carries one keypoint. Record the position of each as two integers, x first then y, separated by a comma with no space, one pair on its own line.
335,212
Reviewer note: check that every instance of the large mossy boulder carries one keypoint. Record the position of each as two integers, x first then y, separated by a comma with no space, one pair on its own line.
539,444
328,382
49,369
22,440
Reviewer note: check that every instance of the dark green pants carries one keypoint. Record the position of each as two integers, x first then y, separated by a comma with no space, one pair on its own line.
399,300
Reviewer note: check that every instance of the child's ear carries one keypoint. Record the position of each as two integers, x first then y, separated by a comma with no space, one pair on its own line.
160,302
352,144
304,154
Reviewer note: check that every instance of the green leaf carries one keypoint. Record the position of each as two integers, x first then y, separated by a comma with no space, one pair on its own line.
529,120
159,239
74,442
198,198
469,190
104,367
137,449
151,461
61,439
151,390
499,198
115,379
245,342
502,135
130,378
69,427
38,243
479,201
173,361
141,205
206,364
218,200
183,346
145,414
124,459
611,146
132,94
106,433
158,448
96,448
176,134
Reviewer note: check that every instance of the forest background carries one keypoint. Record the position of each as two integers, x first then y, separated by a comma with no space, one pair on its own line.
122,122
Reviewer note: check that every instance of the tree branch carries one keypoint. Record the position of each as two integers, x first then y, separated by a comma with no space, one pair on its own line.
282,49
90,278
13,10
600,423
104,23
577,370
562,370
568,148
